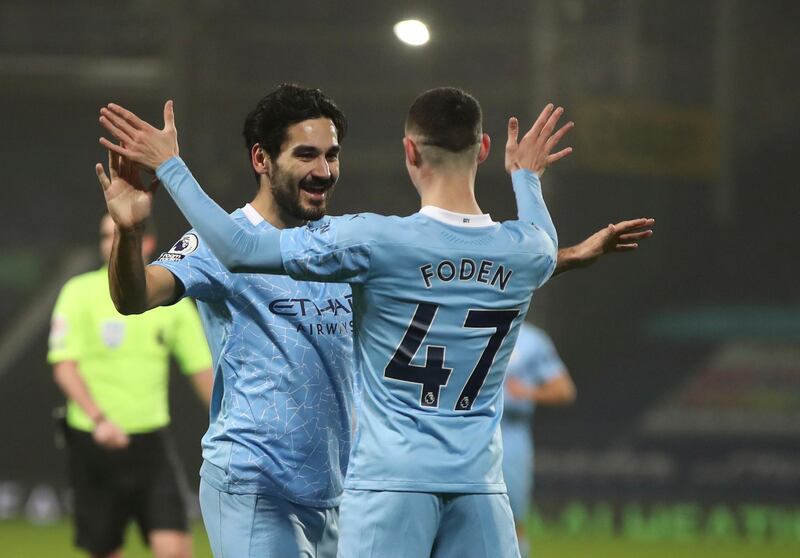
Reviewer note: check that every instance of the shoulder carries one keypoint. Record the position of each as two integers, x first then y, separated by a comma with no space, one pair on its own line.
530,237
84,283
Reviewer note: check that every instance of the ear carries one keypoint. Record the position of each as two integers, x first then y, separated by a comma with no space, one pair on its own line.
261,162
413,157
486,144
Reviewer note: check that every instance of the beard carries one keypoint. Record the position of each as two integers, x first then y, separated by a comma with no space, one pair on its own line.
287,193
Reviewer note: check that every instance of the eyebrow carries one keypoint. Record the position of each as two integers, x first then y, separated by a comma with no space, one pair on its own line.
311,150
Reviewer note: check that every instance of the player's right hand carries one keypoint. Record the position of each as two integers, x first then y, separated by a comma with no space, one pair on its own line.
534,151
129,202
109,435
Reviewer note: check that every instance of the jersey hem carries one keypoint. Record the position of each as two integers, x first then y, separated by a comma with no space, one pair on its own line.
416,486
210,473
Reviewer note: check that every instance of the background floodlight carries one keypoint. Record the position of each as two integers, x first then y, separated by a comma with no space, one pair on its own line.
412,32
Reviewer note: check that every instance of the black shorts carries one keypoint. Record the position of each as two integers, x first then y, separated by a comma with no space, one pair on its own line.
143,482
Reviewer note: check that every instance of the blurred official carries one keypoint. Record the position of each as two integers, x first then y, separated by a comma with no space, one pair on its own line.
114,371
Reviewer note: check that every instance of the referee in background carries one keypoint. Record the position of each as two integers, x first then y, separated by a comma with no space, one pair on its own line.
114,371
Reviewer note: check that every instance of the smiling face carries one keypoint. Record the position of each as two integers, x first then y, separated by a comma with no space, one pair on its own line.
307,168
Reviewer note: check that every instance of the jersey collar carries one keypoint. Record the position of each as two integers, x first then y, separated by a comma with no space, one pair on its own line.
456,219
252,215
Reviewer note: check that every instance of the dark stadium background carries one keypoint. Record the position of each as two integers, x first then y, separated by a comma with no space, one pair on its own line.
685,354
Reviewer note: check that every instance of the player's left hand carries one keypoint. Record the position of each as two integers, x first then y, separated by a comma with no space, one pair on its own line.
534,152
517,389
140,142
620,237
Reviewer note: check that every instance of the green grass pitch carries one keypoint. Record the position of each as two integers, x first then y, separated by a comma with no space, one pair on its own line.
23,540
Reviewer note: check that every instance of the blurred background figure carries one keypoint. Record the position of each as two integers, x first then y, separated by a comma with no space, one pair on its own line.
535,376
113,370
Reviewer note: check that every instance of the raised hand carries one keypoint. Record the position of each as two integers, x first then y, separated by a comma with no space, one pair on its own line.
534,152
129,202
139,141
620,237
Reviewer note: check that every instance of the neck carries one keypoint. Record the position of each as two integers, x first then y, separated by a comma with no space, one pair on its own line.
451,191
266,206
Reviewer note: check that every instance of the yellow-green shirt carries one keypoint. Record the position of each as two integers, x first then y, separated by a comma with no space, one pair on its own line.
124,360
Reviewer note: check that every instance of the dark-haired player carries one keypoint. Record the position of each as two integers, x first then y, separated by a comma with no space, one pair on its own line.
275,452
395,306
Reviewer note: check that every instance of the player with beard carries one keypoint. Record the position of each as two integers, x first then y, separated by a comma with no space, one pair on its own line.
276,449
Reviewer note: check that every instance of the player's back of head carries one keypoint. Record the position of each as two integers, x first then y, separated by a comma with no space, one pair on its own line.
267,124
446,118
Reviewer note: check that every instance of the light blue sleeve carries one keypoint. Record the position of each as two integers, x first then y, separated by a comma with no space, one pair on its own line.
530,203
335,250
238,249
193,264
546,364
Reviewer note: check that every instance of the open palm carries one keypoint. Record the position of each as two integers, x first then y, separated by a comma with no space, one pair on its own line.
129,202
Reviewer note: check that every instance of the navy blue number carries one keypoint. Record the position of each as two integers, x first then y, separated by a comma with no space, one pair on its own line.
433,375
500,320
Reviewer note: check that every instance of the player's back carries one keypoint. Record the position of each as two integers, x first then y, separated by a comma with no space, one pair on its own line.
436,320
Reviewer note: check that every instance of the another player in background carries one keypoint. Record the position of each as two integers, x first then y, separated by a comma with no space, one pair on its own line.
535,376
275,453
114,371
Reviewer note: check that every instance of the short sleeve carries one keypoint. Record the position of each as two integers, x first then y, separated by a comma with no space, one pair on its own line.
192,263
335,250
187,339
67,334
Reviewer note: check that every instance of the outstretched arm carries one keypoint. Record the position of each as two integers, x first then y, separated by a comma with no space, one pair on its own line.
157,150
621,237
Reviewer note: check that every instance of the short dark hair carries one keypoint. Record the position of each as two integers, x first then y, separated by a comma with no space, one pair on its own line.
288,104
446,117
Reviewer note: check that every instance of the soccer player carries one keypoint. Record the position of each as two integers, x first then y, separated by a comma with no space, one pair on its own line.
114,371
130,129
275,453
535,376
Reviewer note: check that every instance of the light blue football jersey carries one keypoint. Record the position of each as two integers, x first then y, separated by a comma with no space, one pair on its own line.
534,361
280,418
438,300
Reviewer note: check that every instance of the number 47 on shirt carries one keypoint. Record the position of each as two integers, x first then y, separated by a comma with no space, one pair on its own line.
433,374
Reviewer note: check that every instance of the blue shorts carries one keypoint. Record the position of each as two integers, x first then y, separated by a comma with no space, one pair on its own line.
518,467
250,525
382,524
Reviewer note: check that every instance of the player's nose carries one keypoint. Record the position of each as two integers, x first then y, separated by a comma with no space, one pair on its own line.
322,168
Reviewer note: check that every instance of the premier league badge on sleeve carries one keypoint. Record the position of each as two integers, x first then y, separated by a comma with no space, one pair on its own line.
181,249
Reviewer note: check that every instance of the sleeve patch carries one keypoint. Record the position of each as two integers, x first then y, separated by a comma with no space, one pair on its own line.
185,246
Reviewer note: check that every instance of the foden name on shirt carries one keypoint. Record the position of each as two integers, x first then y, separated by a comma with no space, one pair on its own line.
466,269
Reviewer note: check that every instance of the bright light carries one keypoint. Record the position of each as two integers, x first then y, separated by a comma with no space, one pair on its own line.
412,32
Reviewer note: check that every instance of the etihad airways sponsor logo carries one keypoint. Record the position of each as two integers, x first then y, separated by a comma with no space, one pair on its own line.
309,307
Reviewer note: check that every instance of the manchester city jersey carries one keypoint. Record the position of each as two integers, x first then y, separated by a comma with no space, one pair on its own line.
438,300
280,416
534,361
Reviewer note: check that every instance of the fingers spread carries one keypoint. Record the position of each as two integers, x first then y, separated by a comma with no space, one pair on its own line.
114,147
559,155
169,116
555,138
101,176
536,129
129,117
513,132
